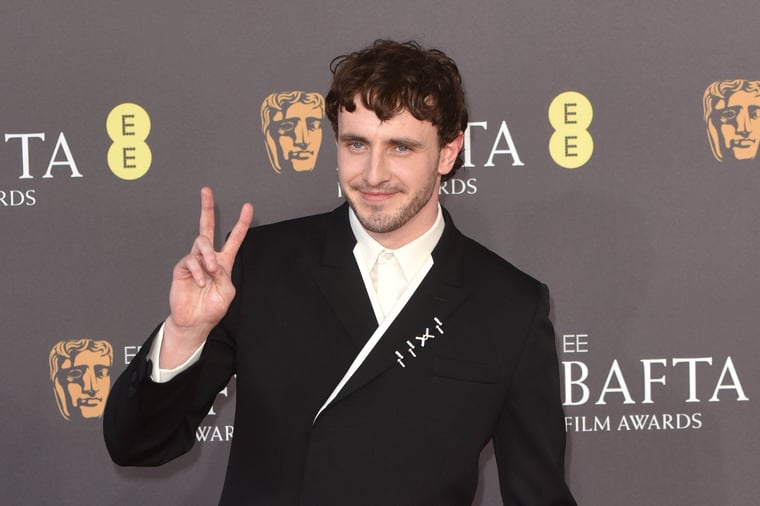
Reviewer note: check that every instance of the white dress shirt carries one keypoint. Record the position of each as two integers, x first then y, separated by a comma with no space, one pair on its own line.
411,258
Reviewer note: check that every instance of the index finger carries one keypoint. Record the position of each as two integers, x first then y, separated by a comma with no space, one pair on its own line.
237,235
207,214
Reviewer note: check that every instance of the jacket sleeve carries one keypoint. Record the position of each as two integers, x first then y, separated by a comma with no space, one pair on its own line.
529,440
147,423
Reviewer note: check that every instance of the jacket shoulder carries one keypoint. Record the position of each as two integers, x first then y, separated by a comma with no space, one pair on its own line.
290,238
488,267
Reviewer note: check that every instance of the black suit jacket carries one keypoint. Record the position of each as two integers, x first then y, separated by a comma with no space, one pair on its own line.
396,435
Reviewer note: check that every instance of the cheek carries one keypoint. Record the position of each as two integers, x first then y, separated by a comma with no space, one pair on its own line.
348,166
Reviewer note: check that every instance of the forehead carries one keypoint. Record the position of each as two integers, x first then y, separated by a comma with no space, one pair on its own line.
363,122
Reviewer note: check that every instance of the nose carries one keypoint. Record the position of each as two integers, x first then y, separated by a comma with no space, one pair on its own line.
376,170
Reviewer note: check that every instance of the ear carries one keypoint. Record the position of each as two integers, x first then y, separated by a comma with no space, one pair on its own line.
449,153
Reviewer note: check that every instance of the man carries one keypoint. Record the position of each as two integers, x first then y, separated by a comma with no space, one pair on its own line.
732,115
413,345
80,372
292,127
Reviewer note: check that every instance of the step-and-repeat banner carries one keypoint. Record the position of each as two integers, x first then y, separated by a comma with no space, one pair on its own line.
611,153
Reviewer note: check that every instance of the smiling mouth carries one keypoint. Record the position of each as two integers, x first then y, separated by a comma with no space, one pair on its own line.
377,196
377,193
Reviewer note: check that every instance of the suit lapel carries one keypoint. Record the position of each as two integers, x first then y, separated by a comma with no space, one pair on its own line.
340,281
438,296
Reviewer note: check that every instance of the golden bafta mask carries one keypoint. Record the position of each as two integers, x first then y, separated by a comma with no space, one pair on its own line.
80,370
292,126
732,115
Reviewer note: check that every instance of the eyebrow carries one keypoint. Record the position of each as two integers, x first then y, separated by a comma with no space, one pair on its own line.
395,141
352,137
405,141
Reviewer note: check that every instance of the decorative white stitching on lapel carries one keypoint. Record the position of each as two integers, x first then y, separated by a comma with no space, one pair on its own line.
380,331
426,335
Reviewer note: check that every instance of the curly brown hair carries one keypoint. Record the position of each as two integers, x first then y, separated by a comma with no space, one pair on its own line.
393,76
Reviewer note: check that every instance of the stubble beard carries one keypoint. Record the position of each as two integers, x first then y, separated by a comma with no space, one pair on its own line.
376,219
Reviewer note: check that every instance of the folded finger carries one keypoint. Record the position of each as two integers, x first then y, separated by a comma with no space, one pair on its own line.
203,250
193,266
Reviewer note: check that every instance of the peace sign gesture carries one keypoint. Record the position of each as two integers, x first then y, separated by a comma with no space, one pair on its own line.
201,289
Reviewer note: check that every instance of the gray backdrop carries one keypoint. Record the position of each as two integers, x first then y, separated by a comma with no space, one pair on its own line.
649,248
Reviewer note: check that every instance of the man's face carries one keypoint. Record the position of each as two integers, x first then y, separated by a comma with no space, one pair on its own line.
87,382
390,172
298,133
739,123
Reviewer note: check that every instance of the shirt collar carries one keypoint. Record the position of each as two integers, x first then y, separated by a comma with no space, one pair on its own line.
410,256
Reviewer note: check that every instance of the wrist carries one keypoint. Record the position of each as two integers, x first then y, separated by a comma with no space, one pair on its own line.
180,342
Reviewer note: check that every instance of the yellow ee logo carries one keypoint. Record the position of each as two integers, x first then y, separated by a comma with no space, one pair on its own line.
129,157
570,114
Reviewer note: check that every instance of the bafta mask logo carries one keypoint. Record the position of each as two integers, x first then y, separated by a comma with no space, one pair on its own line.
732,115
291,122
80,372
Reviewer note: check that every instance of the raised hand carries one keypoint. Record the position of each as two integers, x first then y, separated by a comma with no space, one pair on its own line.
202,289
